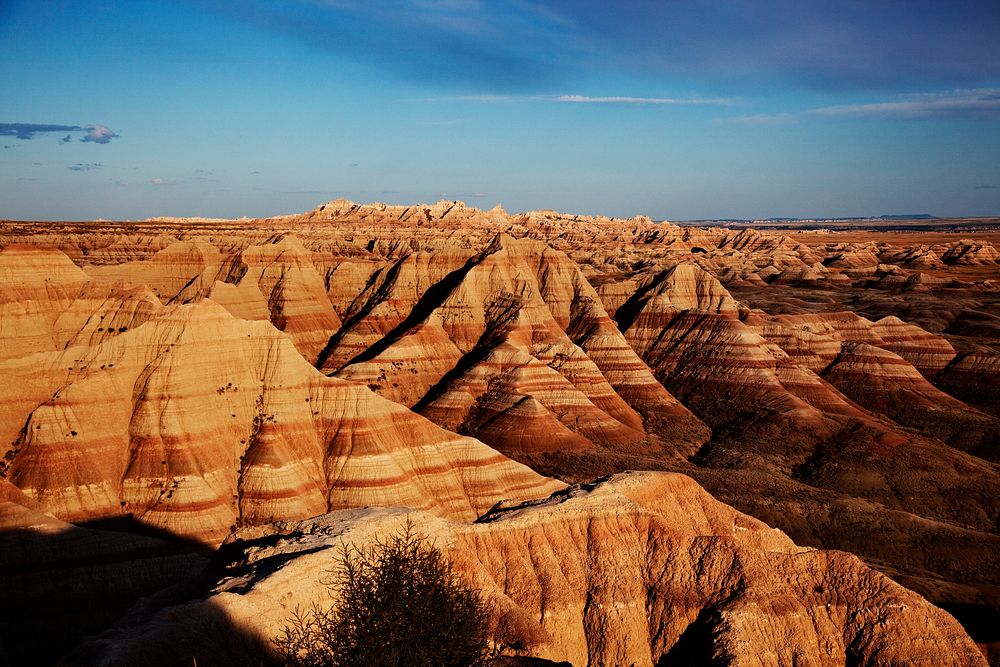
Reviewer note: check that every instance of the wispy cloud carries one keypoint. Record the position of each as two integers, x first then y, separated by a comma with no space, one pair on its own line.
98,134
585,99
841,45
450,42
987,187
981,102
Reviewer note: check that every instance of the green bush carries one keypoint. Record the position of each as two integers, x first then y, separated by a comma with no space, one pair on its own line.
399,602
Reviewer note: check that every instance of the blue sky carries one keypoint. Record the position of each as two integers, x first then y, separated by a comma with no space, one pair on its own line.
677,109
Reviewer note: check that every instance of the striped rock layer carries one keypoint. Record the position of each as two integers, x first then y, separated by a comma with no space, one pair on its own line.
197,422
640,569
512,346
839,386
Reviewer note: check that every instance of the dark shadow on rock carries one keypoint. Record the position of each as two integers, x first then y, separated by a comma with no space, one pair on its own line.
431,299
980,621
60,585
696,645
525,661
183,635
129,524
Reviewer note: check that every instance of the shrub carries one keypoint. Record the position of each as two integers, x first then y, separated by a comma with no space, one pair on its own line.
399,602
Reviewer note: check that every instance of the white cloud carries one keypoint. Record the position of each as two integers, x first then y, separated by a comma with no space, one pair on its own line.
99,134
585,99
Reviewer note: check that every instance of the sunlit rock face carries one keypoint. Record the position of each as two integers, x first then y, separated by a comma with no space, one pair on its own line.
638,569
197,422
176,382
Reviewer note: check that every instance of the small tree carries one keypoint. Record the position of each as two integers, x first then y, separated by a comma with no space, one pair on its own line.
399,603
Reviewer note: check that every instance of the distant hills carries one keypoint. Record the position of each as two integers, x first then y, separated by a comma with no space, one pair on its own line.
892,216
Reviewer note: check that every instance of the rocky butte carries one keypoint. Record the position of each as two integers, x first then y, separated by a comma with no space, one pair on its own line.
643,443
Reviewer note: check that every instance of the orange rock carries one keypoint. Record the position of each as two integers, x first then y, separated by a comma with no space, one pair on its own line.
197,422
636,569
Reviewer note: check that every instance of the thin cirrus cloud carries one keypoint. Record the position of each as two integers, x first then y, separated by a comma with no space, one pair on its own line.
585,99
981,103
518,46
461,43
984,101
834,45
98,134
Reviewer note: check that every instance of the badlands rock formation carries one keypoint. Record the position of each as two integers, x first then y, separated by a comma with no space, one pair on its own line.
143,425
179,381
639,569
488,351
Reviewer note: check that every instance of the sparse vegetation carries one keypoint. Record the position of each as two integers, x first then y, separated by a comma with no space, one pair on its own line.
398,602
